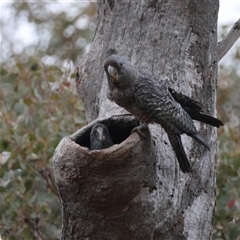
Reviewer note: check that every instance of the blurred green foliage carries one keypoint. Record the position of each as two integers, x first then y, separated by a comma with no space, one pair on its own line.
227,213
51,31
39,106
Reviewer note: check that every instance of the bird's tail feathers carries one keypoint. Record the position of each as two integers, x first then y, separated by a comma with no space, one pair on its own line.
200,140
175,140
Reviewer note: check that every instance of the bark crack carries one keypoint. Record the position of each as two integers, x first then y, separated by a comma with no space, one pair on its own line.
126,22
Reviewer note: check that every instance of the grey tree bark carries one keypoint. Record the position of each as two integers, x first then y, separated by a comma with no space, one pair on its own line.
135,189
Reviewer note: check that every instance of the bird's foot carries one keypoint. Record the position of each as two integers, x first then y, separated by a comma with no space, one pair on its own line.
141,130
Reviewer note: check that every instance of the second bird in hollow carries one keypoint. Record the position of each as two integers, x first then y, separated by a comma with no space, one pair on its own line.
153,101
100,137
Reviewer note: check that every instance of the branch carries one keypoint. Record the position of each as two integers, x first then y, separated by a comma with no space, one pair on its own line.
224,46
50,182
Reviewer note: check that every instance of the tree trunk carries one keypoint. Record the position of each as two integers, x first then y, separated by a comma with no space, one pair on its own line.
135,189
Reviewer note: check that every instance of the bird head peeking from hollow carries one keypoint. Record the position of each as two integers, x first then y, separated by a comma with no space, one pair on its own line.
100,137
120,73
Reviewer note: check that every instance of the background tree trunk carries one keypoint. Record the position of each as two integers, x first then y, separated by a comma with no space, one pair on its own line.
135,190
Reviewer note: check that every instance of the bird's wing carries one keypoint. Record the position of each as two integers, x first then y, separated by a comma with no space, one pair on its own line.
201,117
185,101
193,108
159,105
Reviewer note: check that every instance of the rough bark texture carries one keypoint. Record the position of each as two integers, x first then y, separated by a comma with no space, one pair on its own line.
135,190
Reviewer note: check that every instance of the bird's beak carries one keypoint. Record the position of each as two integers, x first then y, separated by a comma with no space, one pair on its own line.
113,73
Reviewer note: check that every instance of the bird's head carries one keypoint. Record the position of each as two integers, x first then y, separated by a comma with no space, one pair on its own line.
120,72
99,132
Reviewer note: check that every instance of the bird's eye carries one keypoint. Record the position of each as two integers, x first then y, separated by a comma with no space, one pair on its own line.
121,64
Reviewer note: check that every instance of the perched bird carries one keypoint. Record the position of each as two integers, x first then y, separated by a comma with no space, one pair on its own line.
100,137
152,101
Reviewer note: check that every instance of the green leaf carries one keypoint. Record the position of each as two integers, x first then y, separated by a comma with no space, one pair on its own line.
20,107
28,184
2,190
45,197
3,71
